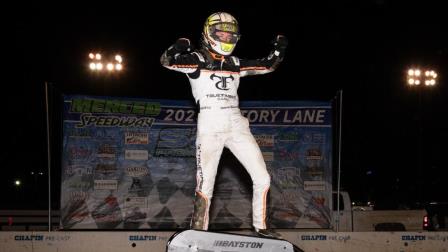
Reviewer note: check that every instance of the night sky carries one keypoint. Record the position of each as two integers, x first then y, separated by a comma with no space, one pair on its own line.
393,136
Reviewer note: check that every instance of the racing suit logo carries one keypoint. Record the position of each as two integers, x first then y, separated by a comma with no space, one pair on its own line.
221,84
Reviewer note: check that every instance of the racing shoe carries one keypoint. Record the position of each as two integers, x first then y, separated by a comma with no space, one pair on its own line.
268,233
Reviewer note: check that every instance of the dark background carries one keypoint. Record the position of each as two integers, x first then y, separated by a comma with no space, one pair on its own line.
393,136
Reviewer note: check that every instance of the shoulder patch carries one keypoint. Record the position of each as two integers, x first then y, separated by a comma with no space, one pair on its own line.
235,60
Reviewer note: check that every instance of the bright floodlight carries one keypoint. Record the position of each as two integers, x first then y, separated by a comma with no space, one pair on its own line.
110,66
417,76
17,182
105,62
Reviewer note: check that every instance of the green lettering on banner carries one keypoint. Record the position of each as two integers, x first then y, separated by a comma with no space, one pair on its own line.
125,108
81,106
98,106
138,108
152,108
112,107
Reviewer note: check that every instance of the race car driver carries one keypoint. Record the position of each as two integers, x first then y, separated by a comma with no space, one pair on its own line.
214,77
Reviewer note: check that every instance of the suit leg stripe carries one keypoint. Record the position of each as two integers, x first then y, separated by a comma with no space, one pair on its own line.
265,193
205,212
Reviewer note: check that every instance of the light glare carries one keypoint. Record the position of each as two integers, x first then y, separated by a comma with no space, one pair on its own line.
101,62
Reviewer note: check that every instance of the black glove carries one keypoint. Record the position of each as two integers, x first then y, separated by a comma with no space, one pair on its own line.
280,43
183,45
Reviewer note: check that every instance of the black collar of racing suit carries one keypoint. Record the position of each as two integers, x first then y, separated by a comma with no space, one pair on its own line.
218,62
211,56
214,62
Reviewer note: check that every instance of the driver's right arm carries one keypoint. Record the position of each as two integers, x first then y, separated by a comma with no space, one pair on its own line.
179,57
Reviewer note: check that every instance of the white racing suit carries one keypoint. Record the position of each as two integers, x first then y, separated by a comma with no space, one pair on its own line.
214,81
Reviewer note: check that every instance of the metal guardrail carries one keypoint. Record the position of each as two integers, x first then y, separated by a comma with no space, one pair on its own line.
28,219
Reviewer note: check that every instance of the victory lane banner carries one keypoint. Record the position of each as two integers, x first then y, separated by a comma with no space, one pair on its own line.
130,163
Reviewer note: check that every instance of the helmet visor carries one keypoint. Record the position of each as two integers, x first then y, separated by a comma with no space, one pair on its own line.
225,32
227,27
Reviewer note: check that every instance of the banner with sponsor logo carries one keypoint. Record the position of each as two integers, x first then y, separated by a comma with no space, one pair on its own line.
130,164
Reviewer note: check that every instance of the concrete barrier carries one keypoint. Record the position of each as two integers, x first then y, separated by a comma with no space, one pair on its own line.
94,241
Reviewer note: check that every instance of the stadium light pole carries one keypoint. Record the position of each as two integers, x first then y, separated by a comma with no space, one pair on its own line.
97,63
338,203
47,111
421,79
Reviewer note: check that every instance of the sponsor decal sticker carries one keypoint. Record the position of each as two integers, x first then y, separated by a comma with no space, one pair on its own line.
136,171
107,184
136,138
265,140
136,154
314,185
237,244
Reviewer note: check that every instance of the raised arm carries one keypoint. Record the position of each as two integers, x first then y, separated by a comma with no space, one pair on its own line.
179,57
267,64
